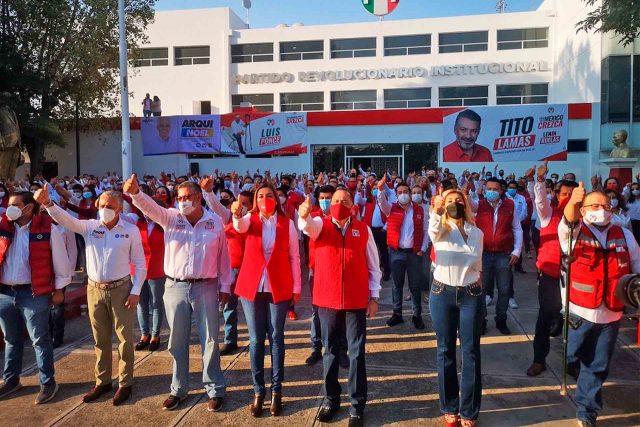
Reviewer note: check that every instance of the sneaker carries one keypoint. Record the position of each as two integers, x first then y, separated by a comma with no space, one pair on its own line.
47,392
513,303
488,300
327,413
394,320
8,388
356,421
314,357
292,315
171,403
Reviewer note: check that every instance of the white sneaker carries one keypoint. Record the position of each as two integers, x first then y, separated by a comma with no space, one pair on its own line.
488,300
512,303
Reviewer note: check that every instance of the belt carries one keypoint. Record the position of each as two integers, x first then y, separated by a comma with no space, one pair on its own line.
14,287
189,281
377,228
471,285
103,286
405,250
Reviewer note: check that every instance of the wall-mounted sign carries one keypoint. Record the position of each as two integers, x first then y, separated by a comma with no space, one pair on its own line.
395,73
380,7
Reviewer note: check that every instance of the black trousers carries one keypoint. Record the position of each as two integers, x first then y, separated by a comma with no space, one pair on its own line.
380,237
550,302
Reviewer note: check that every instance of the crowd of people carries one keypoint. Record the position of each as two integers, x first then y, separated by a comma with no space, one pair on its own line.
186,248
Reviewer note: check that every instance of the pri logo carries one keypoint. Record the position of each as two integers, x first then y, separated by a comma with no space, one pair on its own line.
271,135
271,122
551,110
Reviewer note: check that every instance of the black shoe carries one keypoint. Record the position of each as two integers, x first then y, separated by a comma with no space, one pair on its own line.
154,344
143,343
343,361
8,388
502,327
417,322
573,369
228,348
356,421
327,412
394,320
483,327
585,423
556,327
57,343
386,277
314,357
520,270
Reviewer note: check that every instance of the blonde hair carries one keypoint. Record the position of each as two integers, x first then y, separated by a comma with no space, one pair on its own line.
468,214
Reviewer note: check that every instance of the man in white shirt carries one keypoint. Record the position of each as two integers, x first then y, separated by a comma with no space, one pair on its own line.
32,275
595,311
112,245
56,316
238,131
196,262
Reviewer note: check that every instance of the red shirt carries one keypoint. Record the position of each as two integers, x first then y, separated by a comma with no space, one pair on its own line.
453,153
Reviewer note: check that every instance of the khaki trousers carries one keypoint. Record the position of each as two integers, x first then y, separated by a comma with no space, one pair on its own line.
106,311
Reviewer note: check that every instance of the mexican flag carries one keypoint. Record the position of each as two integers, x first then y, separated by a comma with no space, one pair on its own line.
380,7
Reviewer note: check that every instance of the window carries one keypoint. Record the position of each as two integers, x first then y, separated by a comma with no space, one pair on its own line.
192,55
303,101
407,45
616,89
296,51
353,48
578,146
261,102
327,158
254,52
636,88
153,57
464,96
525,38
205,107
471,41
522,94
407,98
353,100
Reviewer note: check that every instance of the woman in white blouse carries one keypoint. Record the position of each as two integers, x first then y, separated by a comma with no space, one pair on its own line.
456,305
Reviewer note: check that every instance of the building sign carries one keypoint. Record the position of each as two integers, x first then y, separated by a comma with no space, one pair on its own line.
380,7
395,73
266,134
180,134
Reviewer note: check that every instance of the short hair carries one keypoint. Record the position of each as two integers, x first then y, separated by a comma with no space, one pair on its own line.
514,182
403,184
469,115
28,199
115,194
229,192
191,185
245,193
345,190
566,183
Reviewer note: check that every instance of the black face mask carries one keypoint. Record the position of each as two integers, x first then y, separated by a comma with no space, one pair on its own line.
455,210
431,179
225,202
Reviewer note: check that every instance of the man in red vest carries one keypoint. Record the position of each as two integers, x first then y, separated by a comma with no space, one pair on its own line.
603,253
346,291
499,222
408,239
33,272
376,220
550,214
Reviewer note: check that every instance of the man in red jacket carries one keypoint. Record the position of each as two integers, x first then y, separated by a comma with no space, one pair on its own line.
346,291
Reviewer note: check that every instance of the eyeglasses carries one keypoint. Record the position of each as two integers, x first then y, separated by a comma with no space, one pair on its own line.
597,206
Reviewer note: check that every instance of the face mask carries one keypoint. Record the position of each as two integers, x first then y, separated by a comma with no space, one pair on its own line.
106,215
225,202
492,196
614,203
339,211
282,199
511,192
87,194
404,198
455,210
267,205
105,180
186,207
374,192
2,193
170,187
325,204
227,184
554,179
636,193
417,198
14,213
431,179
488,175
550,197
599,217
247,187
77,195
612,186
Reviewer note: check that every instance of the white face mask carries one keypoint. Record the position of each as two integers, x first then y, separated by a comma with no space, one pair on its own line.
404,198
599,217
106,215
550,197
186,207
14,213
170,187
636,193
614,203
247,187
282,199
417,198
77,195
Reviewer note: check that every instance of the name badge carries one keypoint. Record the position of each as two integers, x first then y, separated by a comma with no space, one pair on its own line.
355,233
209,225
97,234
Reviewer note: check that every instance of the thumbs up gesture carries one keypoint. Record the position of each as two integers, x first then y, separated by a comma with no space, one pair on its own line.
382,183
577,195
42,196
131,185
236,209
207,184
305,207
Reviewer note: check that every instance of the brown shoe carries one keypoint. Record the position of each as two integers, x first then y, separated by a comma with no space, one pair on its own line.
96,392
536,369
122,395
215,404
171,403
276,404
256,407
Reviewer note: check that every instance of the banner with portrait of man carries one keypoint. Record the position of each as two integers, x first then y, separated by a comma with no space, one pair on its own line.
181,134
534,132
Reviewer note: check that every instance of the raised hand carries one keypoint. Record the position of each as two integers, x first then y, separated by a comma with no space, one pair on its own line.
42,196
131,185
236,209
206,184
382,183
577,195
305,207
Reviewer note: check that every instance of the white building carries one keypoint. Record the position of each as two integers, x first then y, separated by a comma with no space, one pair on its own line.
206,61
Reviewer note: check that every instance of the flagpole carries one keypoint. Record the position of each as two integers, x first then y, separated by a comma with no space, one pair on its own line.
127,164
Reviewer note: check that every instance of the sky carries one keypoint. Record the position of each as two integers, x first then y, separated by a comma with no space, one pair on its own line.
269,13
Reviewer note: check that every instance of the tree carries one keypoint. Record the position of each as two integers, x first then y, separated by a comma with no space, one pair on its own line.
56,53
621,17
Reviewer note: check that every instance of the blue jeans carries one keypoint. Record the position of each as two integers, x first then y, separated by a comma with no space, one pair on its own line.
592,345
496,269
334,323
407,262
151,296
19,308
200,301
266,319
230,313
457,311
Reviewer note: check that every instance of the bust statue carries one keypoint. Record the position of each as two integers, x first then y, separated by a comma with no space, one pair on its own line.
622,149
10,143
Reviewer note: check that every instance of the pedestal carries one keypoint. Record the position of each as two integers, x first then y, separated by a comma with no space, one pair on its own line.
621,168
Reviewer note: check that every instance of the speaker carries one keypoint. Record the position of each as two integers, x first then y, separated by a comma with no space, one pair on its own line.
194,168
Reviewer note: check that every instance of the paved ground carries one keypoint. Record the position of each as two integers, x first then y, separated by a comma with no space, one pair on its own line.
400,365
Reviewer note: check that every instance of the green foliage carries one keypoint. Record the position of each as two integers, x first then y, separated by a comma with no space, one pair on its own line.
621,17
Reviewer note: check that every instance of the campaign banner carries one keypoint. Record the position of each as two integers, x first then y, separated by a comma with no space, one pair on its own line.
506,133
180,134
265,133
